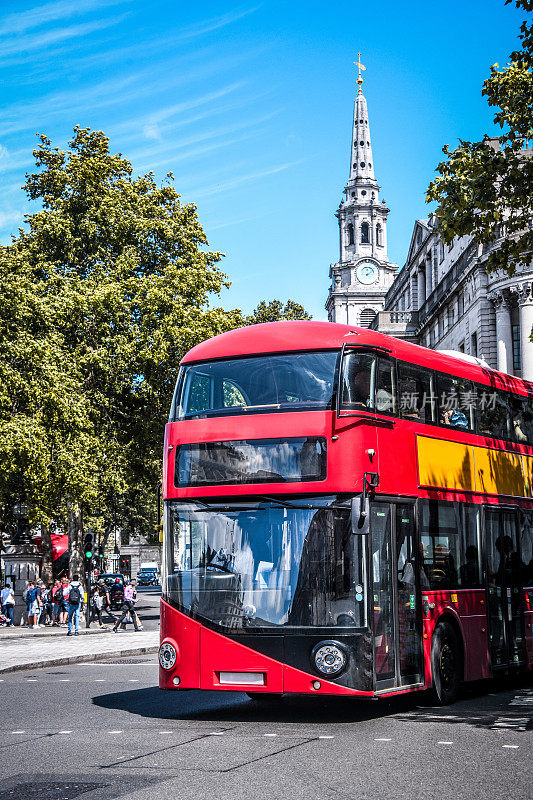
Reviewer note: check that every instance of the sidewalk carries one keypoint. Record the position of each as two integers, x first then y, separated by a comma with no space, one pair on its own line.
28,649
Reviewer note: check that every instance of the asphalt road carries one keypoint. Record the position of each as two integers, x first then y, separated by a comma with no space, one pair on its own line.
104,730
147,606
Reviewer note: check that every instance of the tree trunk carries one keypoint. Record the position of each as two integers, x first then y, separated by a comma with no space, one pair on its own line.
75,543
47,554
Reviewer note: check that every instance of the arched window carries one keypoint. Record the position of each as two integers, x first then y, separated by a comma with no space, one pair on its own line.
350,233
365,235
366,316
379,239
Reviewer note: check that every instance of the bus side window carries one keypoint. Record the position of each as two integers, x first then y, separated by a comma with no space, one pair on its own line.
521,419
456,399
385,394
357,382
450,538
494,412
416,393
526,550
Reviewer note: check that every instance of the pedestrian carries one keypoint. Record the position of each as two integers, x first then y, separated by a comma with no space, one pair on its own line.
33,605
48,614
39,595
7,599
57,601
65,590
130,595
75,605
106,604
139,623
97,604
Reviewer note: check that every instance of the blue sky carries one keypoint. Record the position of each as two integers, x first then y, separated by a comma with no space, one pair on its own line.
250,106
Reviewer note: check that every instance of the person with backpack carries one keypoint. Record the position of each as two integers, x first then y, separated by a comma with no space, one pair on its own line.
65,590
128,607
33,605
75,605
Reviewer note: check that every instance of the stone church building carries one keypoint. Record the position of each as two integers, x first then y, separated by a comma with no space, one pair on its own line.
443,297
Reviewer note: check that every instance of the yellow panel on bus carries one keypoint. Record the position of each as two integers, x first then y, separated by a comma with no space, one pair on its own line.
499,472
452,465
446,465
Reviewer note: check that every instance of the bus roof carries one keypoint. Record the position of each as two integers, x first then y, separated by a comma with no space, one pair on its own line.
300,335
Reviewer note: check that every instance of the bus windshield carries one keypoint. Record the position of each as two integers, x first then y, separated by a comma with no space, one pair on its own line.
259,383
266,564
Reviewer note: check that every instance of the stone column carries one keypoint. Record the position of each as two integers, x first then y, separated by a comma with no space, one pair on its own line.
429,277
525,300
421,287
504,336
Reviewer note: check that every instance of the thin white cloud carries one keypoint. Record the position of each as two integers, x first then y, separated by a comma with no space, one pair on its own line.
38,41
51,12
216,133
201,28
234,183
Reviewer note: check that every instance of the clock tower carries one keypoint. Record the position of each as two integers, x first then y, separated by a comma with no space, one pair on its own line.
362,276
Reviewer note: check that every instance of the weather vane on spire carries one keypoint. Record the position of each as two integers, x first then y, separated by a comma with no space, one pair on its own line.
361,67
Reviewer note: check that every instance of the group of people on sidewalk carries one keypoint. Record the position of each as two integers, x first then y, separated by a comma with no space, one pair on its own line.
61,603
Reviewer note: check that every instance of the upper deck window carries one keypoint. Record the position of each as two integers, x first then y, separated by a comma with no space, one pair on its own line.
291,382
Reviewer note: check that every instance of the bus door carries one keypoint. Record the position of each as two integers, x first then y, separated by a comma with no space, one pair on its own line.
504,572
396,599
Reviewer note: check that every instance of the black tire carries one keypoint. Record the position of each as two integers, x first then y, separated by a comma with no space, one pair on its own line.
446,663
266,698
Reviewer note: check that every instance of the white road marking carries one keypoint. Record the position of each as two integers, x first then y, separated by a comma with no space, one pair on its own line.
31,680
115,731
133,680
64,731
270,734
99,680
326,737
64,680
166,731
511,746
383,740
444,742
18,731
216,733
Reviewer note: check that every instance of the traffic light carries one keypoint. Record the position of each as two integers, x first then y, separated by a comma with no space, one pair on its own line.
88,546
101,551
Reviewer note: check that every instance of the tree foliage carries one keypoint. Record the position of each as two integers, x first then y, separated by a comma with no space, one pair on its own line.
274,311
102,295
487,186
103,292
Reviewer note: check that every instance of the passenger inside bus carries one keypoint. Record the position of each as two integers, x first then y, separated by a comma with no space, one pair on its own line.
454,418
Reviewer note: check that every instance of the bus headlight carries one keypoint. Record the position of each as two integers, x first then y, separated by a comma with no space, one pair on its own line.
167,655
329,658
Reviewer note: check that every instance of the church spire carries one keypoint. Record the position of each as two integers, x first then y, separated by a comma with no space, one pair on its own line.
362,163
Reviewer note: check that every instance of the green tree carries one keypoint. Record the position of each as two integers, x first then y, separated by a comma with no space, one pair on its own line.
274,311
118,272
483,186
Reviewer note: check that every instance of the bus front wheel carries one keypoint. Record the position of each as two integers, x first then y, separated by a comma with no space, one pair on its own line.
445,663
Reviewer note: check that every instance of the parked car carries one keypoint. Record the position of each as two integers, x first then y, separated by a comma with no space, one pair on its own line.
147,578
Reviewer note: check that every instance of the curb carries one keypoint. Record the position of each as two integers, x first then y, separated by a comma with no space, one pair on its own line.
27,634
59,662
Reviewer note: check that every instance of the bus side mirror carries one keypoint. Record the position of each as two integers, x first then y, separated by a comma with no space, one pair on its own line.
361,506
360,515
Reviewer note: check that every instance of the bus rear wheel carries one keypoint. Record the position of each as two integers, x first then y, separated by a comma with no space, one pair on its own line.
264,697
445,663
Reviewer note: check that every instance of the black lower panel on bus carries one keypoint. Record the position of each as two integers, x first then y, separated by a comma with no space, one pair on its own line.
298,651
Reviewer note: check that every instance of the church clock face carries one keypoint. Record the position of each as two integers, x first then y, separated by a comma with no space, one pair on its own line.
367,272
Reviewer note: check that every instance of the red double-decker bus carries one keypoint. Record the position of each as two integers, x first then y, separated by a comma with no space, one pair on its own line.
345,513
